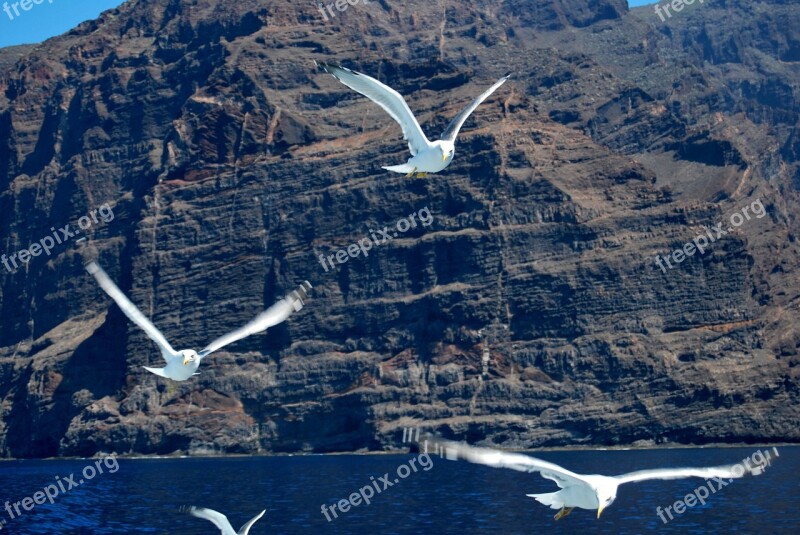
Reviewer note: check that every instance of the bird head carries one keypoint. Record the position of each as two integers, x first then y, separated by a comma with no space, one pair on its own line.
189,355
605,497
448,149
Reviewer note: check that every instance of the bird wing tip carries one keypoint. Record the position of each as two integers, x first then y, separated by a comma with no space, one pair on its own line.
325,65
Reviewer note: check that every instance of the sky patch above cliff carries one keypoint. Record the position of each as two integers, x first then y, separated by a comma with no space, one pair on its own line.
46,19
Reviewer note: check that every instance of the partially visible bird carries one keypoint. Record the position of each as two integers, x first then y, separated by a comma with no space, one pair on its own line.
221,521
427,157
580,490
180,365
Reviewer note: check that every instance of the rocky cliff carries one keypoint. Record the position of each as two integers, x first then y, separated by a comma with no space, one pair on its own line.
530,311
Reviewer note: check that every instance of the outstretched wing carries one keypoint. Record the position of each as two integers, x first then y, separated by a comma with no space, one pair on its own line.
218,519
130,310
733,471
500,459
457,122
387,98
274,315
245,529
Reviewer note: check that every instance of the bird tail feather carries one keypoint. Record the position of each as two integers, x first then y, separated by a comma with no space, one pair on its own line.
552,499
403,168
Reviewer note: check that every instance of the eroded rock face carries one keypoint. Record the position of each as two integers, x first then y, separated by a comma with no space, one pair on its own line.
528,313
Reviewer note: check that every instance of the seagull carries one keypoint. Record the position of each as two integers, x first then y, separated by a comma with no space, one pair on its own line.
221,521
580,490
426,157
184,363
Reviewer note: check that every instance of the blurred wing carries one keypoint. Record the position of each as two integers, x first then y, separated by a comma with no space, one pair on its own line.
218,519
246,528
387,98
728,472
274,315
456,124
514,461
130,310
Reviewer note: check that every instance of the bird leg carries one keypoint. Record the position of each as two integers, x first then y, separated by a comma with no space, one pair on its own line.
409,175
563,512
421,175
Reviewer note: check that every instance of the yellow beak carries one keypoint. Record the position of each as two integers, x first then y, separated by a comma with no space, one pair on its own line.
599,510
185,361
444,157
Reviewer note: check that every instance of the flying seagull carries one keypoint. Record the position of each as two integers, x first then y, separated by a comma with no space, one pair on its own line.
580,490
221,521
426,157
184,363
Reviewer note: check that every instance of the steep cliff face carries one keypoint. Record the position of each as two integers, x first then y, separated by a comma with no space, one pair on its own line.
529,311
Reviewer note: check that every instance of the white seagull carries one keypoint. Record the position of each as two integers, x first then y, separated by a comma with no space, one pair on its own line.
426,157
580,490
184,363
221,521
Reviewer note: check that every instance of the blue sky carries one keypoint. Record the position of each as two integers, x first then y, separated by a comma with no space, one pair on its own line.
54,17
47,19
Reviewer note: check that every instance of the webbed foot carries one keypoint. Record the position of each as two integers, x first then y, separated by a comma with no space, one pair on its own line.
563,512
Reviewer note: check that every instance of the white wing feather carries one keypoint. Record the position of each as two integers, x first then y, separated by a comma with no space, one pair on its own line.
158,371
130,310
245,529
218,519
513,461
387,98
274,315
564,477
458,121
728,472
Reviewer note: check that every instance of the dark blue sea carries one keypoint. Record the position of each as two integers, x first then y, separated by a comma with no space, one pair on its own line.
145,495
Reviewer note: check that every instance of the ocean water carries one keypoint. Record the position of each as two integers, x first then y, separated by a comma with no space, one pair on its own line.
441,496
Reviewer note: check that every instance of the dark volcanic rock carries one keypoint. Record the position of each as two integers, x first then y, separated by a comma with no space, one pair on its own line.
528,313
